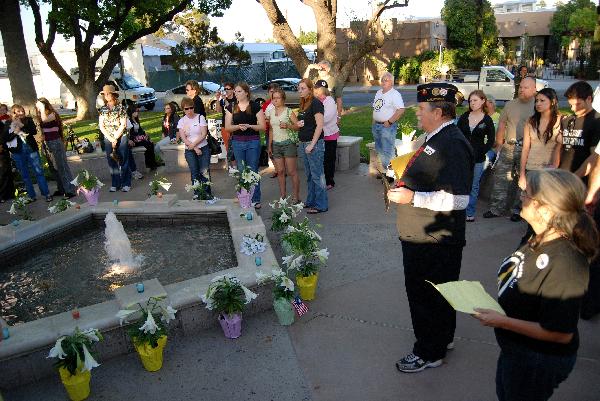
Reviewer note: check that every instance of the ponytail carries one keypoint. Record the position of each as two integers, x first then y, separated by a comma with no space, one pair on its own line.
585,235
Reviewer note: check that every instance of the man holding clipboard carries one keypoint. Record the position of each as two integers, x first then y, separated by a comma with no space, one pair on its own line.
433,194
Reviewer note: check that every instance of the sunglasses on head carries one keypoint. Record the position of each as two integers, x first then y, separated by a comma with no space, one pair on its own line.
188,108
228,89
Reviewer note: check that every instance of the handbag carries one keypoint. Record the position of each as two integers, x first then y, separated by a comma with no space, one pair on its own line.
213,144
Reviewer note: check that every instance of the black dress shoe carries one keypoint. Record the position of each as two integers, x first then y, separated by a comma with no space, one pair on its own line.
489,215
70,195
57,193
515,217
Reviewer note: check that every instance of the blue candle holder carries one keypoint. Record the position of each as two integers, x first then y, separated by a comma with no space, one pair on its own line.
249,216
116,202
5,333
258,260
139,287
16,223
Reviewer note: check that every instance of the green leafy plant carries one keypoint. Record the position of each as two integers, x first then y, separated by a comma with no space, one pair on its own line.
61,206
284,287
74,352
306,257
227,295
246,178
200,188
20,206
151,324
86,180
284,213
157,183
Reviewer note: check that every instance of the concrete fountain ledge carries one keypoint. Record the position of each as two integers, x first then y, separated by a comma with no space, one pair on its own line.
23,355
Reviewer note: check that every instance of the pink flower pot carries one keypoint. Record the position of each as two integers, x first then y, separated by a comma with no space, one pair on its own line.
231,325
91,195
245,197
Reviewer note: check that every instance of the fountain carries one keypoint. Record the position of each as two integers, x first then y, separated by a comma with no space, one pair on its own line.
118,247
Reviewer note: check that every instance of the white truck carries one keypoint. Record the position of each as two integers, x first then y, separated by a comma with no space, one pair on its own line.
131,91
492,80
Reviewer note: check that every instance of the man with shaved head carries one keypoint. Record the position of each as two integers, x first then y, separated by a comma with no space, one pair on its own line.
509,142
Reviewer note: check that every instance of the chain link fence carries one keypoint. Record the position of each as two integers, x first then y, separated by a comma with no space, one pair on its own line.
252,74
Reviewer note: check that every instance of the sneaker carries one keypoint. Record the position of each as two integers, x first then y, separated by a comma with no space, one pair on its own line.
195,197
113,189
126,189
137,175
49,198
470,218
412,364
450,346
490,215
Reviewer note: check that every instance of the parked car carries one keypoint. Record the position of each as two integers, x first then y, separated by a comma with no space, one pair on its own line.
493,80
260,93
131,91
207,94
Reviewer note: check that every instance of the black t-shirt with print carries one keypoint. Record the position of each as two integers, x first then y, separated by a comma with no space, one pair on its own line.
579,135
310,123
545,285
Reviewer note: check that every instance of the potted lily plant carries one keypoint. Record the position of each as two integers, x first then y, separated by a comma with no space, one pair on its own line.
284,213
61,206
200,189
283,294
149,330
228,296
304,256
75,361
246,182
20,206
156,184
89,184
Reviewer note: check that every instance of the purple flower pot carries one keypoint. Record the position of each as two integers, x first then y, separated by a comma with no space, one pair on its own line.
245,197
231,325
91,195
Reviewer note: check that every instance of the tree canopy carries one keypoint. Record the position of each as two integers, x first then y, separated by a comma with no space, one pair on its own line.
562,27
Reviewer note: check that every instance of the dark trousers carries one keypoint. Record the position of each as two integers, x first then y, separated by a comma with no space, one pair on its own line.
199,166
591,301
149,156
433,319
329,161
523,374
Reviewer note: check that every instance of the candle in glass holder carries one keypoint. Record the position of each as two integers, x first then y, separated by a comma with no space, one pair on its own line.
77,206
116,202
258,260
249,216
75,313
15,223
5,333
159,195
139,287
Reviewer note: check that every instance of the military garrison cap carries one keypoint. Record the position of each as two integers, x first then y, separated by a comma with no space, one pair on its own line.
436,92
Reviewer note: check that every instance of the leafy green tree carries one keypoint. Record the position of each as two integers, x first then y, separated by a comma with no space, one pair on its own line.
475,40
581,24
307,38
227,54
114,24
559,25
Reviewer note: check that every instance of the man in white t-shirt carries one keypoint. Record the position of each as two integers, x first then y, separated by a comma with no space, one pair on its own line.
388,107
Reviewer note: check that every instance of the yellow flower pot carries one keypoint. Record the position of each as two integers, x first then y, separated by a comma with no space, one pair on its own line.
307,286
152,358
77,385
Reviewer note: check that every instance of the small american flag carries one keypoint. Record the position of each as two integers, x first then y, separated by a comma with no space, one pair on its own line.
300,306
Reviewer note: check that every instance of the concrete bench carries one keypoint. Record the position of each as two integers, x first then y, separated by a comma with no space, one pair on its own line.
97,164
402,148
174,158
347,153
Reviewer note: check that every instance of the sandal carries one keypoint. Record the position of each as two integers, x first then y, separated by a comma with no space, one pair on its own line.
312,210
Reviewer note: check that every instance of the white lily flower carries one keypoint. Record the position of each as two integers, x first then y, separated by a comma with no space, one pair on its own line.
99,184
150,325
166,185
75,182
287,259
249,294
322,254
284,218
283,201
123,313
287,283
91,334
52,209
168,314
273,204
89,362
57,351
12,209
261,277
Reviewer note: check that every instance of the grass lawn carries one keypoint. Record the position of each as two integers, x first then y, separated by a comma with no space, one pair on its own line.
355,122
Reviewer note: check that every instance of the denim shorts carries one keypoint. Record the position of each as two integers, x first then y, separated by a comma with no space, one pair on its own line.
284,149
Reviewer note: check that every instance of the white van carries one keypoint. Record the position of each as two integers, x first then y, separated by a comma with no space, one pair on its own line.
131,91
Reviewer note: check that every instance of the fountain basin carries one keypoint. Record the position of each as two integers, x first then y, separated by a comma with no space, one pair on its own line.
23,356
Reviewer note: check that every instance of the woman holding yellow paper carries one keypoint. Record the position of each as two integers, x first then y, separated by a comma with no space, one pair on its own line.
541,286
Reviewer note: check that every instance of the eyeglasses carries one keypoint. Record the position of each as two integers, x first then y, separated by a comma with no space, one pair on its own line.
188,108
228,89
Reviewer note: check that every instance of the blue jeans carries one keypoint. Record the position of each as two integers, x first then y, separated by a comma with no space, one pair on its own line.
120,174
27,157
385,142
315,175
248,152
478,171
524,374
199,166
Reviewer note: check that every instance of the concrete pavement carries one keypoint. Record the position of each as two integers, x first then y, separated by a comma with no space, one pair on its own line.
358,326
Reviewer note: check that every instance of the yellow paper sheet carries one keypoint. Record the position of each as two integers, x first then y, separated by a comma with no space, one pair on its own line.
399,164
464,296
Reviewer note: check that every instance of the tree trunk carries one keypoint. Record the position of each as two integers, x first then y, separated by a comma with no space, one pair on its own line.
86,100
17,60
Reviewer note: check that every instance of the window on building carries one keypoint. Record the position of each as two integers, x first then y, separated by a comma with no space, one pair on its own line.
527,7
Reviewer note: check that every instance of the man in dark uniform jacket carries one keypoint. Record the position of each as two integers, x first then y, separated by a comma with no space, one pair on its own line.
433,194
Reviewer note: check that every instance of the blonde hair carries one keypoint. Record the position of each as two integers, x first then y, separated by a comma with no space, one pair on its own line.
564,194
321,90
186,102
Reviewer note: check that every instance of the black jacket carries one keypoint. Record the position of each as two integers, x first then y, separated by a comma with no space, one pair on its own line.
199,106
29,128
483,136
